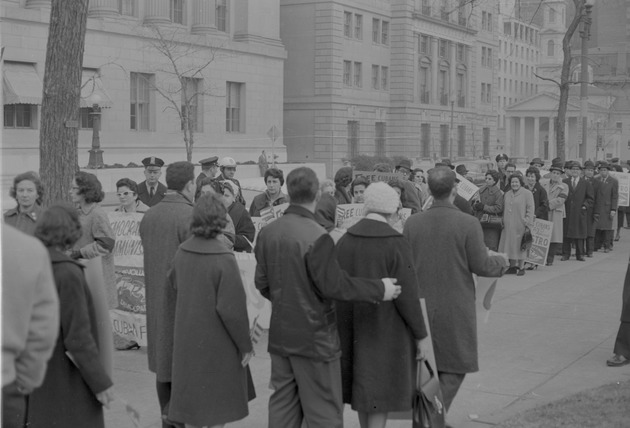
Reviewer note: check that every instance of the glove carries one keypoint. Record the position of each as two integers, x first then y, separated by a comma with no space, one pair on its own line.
478,206
76,254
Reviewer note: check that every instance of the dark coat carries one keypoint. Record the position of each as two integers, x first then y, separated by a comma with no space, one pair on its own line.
463,205
303,321
492,199
145,197
67,398
377,340
326,211
162,229
577,204
625,310
541,203
448,247
209,384
342,196
200,177
412,198
606,200
23,221
239,197
243,227
590,219
263,201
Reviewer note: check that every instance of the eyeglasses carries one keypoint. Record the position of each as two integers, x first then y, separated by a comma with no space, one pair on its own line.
124,194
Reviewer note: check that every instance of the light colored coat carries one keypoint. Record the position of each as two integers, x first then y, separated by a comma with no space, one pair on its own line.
557,195
518,212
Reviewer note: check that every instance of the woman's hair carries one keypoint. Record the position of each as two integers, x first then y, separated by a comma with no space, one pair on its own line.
209,216
343,176
359,181
519,176
494,174
30,176
59,227
213,182
129,183
275,173
89,187
398,184
535,171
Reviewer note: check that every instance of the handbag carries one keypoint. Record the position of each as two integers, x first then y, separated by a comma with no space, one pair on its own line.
491,221
527,239
428,408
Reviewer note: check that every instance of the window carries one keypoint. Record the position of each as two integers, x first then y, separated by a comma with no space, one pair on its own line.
347,73
443,48
461,88
486,21
86,118
426,7
385,33
489,59
233,111
483,92
424,82
425,140
424,44
379,140
444,11
550,48
489,93
358,75
221,15
461,141
507,28
376,30
552,15
443,86
20,115
193,88
177,11
486,141
484,55
353,138
127,7
384,78
444,141
461,53
347,24
358,27
140,101
619,126
375,76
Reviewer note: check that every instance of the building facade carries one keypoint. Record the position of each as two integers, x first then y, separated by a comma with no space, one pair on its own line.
229,56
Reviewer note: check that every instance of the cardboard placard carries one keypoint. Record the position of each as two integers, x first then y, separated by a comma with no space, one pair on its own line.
541,238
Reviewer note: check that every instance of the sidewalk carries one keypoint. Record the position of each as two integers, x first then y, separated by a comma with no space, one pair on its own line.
547,336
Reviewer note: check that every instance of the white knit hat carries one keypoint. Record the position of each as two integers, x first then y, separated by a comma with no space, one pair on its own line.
381,198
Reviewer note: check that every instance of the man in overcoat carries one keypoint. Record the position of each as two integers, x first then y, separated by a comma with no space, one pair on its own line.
589,175
621,355
448,247
151,191
579,200
209,168
163,228
606,204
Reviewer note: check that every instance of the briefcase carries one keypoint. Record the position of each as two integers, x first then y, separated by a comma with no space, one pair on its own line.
428,408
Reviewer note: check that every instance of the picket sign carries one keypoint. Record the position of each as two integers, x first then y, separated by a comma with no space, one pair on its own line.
541,238
624,187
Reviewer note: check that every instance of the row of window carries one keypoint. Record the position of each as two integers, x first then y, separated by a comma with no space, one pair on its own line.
486,21
524,53
509,67
444,48
526,88
353,28
353,75
520,32
446,10
445,146
444,85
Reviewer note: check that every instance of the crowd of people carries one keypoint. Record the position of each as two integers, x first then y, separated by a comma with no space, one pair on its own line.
346,323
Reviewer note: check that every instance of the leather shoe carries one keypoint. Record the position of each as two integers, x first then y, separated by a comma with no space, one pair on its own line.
617,361
564,258
511,270
581,259
520,272
549,264
589,255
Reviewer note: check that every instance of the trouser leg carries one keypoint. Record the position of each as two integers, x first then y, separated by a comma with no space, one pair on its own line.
579,248
164,397
590,245
284,404
607,238
566,248
449,384
13,407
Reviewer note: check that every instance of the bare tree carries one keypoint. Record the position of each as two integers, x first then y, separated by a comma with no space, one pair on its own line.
59,132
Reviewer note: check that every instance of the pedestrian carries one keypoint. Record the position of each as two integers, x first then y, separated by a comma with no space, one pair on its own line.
461,170
621,351
447,248
558,193
518,215
578,201
263,164
303,338
76,386
502,159
244,229
209,169
460,202
343,179
27,190
532,183
211,330
30,321
537,163
127,192
589,175
421,185
605,209
272,196
151,191
379,341
357,189
227,166
490,204
412,199
162,230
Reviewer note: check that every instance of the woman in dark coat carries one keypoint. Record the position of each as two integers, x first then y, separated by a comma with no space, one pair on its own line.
343,178
244,229
379,341
211,333
76,385
490,203
541,203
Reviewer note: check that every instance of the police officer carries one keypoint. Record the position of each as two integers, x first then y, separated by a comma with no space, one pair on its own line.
151,191
209,168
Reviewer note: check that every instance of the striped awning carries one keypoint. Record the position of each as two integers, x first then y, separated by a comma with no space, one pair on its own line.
92,90
21,84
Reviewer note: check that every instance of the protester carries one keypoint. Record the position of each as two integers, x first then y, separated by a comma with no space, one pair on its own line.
490,204
532,183
162,230
76,386
228,169
578,201
421,185
537,163
151,191
589,176
244,229
558,192
461,170
30,321
605,209
209,169
357,189
27,190
621,355
303,338
327,186
461,203
518,215
343,178
377,352
447,247
510,169
127,192
211,330
502,160
213,187
411,199
263,165
326,211
273,196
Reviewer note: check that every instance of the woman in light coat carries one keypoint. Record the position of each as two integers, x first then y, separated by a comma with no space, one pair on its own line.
558,192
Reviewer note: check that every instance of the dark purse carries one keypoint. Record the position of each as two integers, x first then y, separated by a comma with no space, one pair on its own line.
491,221
526,240
428,408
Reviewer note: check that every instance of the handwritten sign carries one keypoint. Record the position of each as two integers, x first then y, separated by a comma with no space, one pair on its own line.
465,188
258,308
403,215
624,187
541,238
373,176
348,215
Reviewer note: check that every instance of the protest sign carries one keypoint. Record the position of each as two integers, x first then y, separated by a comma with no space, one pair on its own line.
348,215
541,238
466,189
403,215
373,176
278,210
258,308
623,178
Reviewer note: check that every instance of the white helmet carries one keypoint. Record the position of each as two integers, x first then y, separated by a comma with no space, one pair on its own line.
227,161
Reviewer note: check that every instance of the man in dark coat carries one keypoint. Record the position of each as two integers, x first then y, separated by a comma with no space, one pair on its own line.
209,168
502,159
163,228
580,198
589,175
244,229
448,247
621,351
412,199
151,191
303,337
606,202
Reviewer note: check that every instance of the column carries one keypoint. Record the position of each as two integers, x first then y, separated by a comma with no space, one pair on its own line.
101,8
204,16
434,71
552,137
507,145
156,12
36,4
537,152
521,137
453,73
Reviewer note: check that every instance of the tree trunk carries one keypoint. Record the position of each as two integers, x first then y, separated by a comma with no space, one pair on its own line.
59,131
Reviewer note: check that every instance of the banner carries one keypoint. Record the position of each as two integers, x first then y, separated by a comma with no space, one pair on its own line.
373,176
624,187
466,189
541,234
258,308
348,215
403,215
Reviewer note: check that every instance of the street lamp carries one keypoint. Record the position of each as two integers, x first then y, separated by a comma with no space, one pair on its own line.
96,154
585,35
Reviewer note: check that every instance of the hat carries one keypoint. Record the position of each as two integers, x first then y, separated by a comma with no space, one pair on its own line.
380,198
227,161
461,169
502,156
557,167
448,163
574,164
152,161
538,161
404,163
209,161
604,164
589,165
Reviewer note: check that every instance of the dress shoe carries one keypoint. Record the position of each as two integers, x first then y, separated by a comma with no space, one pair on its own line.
549,264
617,361
511,270
564,258
580,259
520,272
589,254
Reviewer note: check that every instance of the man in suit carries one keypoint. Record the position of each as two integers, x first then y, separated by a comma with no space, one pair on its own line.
448,247
151,191
209,168
606,201
580,199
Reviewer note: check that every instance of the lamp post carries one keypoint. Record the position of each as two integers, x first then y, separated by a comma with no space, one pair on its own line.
585,35
96,154
450,148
